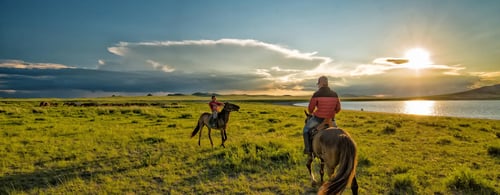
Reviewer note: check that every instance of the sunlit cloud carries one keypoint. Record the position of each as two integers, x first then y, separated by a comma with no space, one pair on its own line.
25,65
382,65
272,62
246,52
158,66
122,48
370,69
486,78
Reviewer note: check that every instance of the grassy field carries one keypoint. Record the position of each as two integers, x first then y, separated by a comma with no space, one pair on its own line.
146,149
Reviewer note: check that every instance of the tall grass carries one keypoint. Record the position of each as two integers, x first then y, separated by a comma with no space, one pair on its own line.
463,181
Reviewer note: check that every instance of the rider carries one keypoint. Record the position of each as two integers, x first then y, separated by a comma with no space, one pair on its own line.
214,107
324,104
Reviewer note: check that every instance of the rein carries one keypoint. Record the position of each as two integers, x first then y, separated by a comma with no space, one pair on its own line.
321,126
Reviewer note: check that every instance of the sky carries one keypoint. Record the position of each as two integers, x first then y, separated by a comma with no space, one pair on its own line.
390,48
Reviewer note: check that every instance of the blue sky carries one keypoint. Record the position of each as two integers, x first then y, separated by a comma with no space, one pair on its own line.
100,48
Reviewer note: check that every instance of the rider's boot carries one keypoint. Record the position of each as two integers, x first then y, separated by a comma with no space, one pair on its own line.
213,122
307,143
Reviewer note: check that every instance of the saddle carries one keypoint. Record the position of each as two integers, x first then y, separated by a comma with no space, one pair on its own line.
215,123
327,122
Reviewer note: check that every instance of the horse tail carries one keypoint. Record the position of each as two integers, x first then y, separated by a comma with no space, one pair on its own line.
347,167
197,128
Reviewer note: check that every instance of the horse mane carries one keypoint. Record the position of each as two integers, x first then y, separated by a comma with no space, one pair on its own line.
224,115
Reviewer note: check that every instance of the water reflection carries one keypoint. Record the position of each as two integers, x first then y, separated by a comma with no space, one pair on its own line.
420,107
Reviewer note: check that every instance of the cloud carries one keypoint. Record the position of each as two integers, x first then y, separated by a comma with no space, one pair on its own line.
213,56
408,82
76,82
369,69
486,78
385,64
281,67
159,66
267,66
229,66
391,76
390,61
397,60
23,65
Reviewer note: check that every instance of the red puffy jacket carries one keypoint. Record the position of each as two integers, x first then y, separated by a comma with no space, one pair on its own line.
326,102
214,105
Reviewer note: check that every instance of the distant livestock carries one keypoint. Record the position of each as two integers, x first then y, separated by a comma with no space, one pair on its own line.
70,104
42,104
94,104
46,104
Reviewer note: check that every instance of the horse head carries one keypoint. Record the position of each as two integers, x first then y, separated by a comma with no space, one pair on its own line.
231,107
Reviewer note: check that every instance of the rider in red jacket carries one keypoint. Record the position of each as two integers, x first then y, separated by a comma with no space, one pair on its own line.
324,104
214,107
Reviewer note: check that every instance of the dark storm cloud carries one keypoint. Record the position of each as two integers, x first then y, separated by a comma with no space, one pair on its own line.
28,81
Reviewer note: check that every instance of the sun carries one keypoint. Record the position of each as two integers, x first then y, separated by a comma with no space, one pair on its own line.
418,58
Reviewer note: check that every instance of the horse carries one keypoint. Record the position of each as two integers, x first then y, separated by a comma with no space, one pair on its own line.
222,120
334,147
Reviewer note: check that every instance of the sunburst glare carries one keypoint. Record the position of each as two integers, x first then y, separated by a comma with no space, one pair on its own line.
418,58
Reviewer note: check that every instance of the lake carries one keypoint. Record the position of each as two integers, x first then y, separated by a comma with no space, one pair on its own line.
486,109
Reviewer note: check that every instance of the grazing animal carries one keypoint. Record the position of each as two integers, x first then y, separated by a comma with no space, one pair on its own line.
334,147
223,119
44,104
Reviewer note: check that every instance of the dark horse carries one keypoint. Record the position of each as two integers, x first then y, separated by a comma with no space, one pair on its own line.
334,147
221,124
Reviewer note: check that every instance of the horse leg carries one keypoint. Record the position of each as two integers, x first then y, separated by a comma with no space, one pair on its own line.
210,137
354,186
308,165
225,135
321,170
199,137
222,133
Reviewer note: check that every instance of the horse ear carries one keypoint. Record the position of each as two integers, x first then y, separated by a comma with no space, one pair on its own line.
305,112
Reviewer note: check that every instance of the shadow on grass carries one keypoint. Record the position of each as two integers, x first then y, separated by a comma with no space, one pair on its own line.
51,177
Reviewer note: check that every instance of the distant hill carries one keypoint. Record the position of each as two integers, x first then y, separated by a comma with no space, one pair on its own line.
205,94
482,93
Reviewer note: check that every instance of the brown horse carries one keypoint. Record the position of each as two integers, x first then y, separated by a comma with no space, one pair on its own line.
334,147
221,124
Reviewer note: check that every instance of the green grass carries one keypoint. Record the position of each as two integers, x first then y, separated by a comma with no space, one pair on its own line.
148,150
